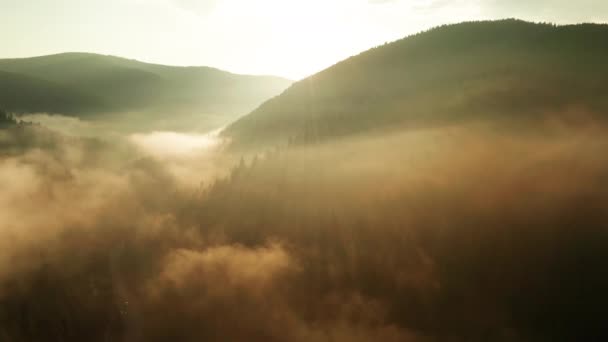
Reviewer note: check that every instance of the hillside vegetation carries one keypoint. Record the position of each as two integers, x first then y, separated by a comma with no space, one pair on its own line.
472,71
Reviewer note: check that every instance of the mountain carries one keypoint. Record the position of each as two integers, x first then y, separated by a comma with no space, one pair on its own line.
86,85
507,69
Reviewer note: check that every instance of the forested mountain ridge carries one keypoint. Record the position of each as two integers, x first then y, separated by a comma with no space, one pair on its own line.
498,69
84,84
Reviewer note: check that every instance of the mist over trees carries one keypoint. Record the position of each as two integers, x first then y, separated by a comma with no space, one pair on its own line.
358,240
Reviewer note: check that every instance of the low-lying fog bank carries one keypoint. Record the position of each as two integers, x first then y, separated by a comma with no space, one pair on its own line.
192,157
463,233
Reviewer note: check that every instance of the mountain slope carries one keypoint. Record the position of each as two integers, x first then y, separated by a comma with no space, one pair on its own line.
85,84
466,71
21,93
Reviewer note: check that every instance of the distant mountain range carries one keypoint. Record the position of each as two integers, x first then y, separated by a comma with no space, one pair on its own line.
507,69
87,85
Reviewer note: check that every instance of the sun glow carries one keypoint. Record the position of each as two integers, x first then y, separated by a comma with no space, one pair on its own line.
289,38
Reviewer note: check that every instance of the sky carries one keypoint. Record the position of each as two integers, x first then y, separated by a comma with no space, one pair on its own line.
289,38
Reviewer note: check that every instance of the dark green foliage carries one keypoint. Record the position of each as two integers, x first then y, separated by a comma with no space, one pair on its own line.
24,94
472,71
6,119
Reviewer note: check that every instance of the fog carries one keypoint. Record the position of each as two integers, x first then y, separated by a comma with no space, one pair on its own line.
173,143
470,232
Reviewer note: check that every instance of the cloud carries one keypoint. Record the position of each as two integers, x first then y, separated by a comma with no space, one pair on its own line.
381,1
236,268
558,11
200,7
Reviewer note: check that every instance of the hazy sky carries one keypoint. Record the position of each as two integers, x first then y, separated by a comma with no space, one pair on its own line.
291,38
